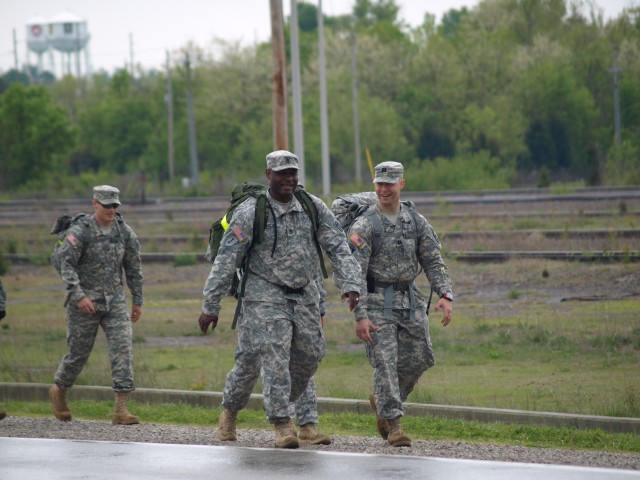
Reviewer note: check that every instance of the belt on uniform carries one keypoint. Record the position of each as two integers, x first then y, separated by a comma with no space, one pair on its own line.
397,286
389,288
293,291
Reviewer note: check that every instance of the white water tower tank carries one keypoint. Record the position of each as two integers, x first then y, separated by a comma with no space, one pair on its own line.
37,35
68,33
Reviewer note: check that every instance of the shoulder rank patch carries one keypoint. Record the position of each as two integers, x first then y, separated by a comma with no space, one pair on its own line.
239,233
71,238
357,240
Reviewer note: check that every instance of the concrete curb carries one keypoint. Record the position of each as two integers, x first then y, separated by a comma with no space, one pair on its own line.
38,392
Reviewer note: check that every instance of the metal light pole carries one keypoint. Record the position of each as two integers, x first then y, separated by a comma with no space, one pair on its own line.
169,100
324,128
193,151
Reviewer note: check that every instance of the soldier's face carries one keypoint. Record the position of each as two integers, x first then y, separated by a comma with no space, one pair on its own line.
104,215
389,195
282,183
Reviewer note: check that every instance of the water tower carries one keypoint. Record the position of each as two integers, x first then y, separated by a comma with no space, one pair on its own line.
37,40
68,34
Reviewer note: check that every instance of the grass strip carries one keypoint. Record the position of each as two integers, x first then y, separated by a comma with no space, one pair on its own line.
351,424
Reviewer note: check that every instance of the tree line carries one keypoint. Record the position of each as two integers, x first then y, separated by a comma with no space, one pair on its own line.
508,93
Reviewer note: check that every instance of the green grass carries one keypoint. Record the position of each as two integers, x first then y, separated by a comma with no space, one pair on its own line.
361,425
527,351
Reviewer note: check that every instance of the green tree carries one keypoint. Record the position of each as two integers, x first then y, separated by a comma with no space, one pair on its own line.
34,133
561,114
117,130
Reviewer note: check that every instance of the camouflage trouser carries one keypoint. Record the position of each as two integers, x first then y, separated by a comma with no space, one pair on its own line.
81,334
288,343
243,377
400,353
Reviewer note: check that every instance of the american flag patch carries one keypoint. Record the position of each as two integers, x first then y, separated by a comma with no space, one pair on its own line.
239,233
72,240
356,240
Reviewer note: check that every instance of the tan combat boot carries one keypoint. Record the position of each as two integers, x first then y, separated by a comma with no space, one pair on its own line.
381,423
284,436
58,398
292,426
3,413
310,436
121,415
397,438
227,426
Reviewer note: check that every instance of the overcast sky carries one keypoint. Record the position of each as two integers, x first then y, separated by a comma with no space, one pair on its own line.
157,26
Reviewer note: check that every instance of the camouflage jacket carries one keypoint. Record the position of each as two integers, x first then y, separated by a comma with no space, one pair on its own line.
3,297
287,257
397,259
93,263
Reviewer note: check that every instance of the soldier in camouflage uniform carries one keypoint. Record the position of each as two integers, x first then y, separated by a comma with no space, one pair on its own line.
280,309
391,318
243,378
3,313
94,253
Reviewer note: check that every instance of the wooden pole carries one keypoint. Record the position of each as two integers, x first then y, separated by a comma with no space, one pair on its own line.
280,120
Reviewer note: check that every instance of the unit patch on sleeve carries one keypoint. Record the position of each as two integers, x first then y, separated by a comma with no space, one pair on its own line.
239,233
357,240
71,238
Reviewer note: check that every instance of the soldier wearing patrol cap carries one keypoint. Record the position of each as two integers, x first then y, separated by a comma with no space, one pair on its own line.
280,307
95,252
393,243
3,312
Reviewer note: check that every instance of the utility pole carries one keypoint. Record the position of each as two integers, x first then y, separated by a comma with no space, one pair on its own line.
280,118
15,50
616,98
169,100
324,128
298,136
131,53
354,91
193,152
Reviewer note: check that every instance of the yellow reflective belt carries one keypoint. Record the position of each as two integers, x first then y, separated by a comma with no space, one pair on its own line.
224,223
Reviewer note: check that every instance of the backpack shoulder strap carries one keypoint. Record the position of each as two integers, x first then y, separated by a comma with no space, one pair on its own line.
371,214
312,211
259,225
260,217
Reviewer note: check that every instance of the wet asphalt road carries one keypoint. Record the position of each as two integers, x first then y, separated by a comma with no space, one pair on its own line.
31,459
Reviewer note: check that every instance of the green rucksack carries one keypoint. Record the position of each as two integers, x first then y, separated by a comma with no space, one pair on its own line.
349,206
240,193
60,227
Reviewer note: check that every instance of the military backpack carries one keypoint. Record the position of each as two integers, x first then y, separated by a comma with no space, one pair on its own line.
240,193
62,224
348,207
61,227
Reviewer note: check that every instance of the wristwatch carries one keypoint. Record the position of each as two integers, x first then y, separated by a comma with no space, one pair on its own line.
448,296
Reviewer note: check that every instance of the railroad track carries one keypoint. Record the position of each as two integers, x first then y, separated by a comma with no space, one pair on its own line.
601,256
27,224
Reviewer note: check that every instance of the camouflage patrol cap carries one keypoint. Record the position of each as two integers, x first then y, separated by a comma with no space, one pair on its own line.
281,160
388,172
106,194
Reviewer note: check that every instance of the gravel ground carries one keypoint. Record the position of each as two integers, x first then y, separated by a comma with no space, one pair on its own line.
28,427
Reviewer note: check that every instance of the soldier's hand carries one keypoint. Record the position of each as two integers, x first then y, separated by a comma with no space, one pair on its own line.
2,314
205,320
86,306
447,309
353,298
364,328
136,313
